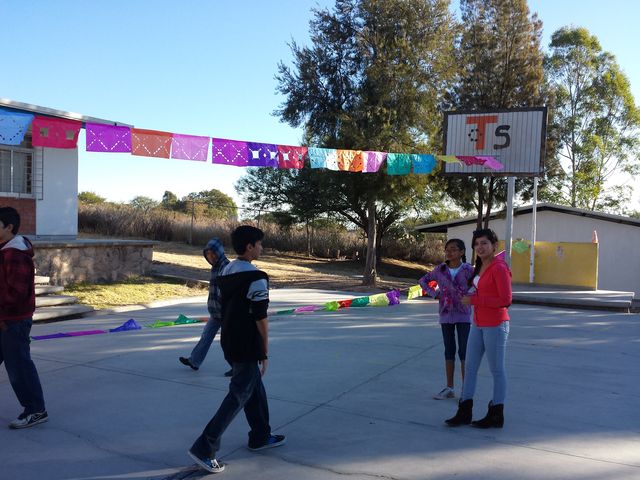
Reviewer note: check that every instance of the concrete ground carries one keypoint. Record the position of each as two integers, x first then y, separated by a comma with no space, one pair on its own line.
351,390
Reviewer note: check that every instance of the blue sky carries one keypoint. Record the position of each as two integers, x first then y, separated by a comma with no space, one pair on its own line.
200,68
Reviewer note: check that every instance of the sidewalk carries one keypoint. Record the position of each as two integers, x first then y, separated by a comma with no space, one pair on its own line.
351,390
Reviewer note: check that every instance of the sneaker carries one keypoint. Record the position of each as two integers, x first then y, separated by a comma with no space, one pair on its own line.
209,464
272,441
29,420
187,362
445,393
229,373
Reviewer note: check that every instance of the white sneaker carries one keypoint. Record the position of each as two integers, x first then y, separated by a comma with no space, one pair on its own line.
445,393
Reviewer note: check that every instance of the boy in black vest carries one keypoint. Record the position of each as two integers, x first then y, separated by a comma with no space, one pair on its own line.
245,342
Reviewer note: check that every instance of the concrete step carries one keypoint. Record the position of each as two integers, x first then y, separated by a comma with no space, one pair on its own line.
48,289
54,300
40,280
60,312
616,301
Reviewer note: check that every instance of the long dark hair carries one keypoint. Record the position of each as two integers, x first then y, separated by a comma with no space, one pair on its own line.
460,244
489,235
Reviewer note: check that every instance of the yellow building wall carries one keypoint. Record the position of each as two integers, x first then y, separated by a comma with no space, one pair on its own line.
557,263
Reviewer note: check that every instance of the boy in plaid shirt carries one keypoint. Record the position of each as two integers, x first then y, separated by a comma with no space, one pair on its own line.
17,304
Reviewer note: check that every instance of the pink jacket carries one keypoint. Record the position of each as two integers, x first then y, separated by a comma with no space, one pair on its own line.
493,295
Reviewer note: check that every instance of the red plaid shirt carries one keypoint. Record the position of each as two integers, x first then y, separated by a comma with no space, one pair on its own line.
17,290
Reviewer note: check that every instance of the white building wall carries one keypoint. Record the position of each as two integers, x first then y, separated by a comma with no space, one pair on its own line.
57,204
619,244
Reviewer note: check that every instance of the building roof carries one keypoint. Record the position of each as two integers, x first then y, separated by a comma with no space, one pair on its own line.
51,112
442,227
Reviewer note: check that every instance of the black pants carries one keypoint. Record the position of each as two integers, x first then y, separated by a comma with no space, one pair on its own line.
245,391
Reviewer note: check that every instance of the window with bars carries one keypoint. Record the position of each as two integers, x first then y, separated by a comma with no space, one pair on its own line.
16,171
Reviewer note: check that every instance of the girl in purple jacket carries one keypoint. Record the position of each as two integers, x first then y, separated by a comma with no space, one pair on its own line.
452,278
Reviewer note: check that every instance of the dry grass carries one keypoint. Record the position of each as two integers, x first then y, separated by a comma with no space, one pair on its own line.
134,291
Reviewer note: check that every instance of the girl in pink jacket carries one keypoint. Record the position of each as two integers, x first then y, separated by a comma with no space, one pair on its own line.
489,332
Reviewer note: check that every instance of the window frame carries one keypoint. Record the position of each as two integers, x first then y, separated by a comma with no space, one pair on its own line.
28,168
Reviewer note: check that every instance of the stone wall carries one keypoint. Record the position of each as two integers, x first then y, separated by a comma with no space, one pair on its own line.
87,260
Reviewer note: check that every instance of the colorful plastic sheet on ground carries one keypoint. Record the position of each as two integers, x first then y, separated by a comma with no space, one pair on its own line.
229,152
189,147
160,324
108,138
288,311
81,333
50,336
398,163
360,302
309,308
394,297
331,306
86,332
130,324
184,320
415,292
379,300
291,157
150,143
13,126
345,303
423,164
55,132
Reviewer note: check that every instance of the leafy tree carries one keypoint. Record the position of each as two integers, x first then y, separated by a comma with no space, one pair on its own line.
170,201
372,79
597,119
90,198
295,191
211,203
143,203
502,67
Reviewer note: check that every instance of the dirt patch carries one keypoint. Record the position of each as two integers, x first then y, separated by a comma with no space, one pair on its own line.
292,270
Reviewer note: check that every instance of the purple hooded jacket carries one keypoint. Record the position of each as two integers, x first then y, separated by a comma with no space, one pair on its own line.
450,292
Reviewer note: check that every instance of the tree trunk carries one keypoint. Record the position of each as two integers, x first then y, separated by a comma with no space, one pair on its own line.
489,202
370,274
479,180
306,226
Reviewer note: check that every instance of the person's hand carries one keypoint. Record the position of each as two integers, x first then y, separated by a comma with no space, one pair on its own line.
263,366
466,300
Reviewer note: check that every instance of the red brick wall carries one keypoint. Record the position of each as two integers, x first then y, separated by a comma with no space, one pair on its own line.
26,207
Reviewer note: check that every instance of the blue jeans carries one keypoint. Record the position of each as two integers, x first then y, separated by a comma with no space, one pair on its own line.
15,352
201,349
245,391
449,338
493,341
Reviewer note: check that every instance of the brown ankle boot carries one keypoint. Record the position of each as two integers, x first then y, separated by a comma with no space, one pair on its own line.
463,415
493,419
